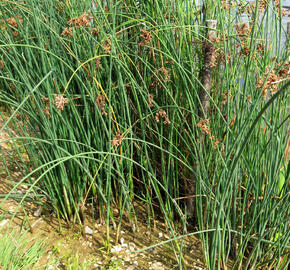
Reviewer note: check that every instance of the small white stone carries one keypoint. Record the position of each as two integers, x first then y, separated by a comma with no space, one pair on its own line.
135,262
160,235
88,230
131,267
50,267
4,222
157,266
122,241
117,248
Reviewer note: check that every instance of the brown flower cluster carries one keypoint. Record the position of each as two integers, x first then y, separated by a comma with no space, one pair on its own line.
101,104
227,5
146,38
95,31
165,73
272,78
163,115
277,5
215,142
98,63
245,49
46,109
225,96
203,125
263,4
243,30
59,101
83,20
12,86
67,32
221,38
283,71
117,140
1,64
251,7
165,76
221,57
14,23
150,100
107,46
260,49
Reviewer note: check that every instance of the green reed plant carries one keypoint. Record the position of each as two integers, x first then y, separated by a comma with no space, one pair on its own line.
105,102
16,252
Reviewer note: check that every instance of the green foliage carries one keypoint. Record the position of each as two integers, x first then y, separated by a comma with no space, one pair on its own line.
108,108
18,253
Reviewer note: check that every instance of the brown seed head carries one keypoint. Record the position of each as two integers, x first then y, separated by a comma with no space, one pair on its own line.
60,101
101,103
150,100
83,20
163,115
117,140
67,32
1,64
13,22
146,37
203,125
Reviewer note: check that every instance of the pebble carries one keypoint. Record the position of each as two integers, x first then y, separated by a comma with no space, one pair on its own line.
4,222
88,230
131,267
157,266
117,248
123,244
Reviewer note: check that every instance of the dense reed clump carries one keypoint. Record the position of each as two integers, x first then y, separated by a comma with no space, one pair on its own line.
106,101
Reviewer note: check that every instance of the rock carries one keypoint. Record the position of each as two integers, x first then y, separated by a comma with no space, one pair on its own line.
4,222
131,267
117,248
38,211
88,230
157,266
